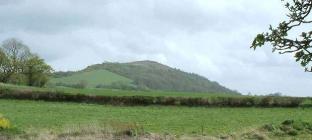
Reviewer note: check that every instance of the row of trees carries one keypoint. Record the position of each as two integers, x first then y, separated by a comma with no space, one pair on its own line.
18,65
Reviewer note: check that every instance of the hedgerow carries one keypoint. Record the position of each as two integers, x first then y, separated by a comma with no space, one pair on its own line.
239,101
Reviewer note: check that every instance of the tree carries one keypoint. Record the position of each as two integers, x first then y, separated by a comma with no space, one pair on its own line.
19,66
36,71
14,54
4,70
281,37
17,53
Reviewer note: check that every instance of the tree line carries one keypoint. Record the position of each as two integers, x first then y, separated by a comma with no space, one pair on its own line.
18,65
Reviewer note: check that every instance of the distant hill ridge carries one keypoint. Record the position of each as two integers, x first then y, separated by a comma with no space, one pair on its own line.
148,74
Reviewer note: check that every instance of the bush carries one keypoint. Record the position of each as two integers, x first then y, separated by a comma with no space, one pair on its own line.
289,127
267,101
306,103
17,79
4,123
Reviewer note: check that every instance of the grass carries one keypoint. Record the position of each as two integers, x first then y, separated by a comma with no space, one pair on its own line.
157,119
116,92
92,78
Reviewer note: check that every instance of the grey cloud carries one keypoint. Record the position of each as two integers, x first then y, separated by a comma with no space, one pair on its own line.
10,2
208,37
41,16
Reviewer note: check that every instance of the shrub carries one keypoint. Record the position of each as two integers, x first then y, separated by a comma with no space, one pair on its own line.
194,102
306,103
267,101
289,127
17,79
269,127
4,123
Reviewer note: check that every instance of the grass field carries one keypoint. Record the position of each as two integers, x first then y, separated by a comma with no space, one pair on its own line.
173,120
92,78
36,117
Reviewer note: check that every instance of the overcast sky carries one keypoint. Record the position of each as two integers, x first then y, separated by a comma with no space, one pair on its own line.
208,37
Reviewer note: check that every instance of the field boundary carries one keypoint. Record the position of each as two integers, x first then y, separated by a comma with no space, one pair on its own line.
247,101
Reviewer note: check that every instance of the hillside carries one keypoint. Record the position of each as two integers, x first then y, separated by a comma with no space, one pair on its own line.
142,74
91,78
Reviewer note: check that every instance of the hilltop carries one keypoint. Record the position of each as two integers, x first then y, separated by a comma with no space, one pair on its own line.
140,75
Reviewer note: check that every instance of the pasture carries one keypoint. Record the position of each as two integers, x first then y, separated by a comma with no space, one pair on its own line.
28,115
80,112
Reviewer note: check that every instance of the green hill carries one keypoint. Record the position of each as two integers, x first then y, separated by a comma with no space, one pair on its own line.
90,78
147,74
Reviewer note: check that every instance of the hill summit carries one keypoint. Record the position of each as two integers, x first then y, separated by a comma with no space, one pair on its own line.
142,74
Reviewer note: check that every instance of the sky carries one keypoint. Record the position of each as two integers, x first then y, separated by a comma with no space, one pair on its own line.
207,37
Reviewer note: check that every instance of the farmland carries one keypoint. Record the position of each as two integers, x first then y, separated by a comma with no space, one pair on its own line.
57,117
32,118
132,110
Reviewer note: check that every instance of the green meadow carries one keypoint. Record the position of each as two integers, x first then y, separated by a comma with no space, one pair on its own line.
67,120
157,119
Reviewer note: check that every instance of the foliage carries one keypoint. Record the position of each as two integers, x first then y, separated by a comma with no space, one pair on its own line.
17,79
281,36
4,123
4,66
306,103
289,127
17,53
37,71
19,66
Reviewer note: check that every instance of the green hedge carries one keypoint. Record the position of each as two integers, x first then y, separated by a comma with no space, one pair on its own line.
241,101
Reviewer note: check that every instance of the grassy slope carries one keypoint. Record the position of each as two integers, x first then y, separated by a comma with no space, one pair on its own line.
112,92
161,77
93,78
174,120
